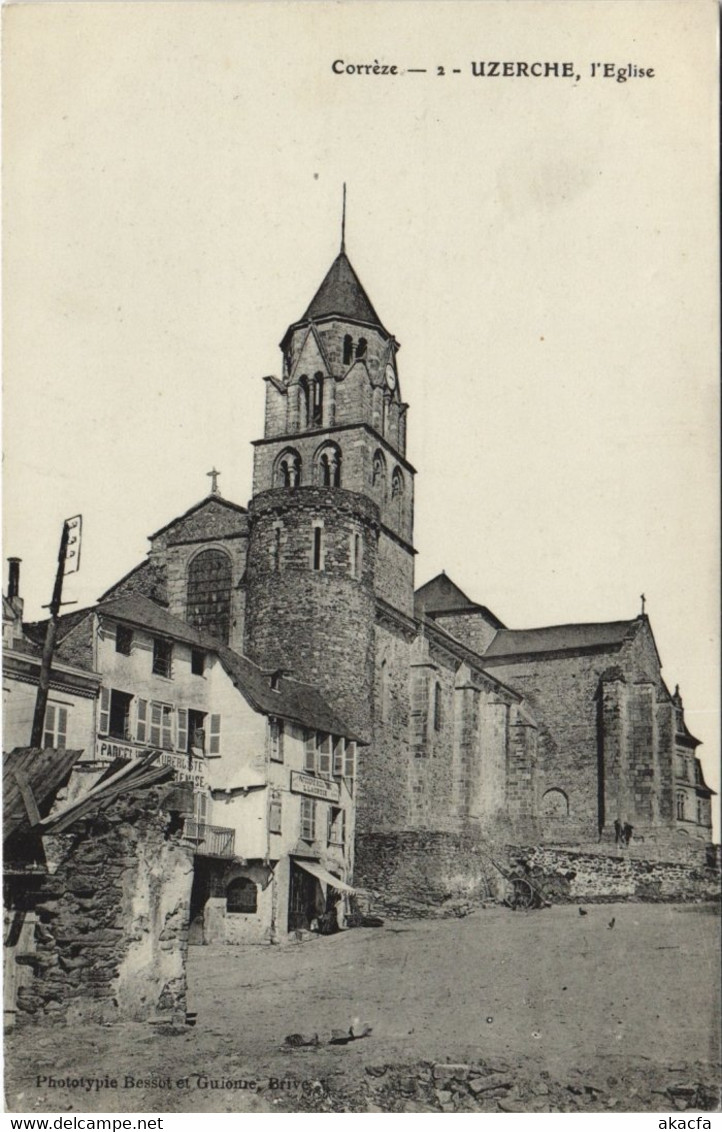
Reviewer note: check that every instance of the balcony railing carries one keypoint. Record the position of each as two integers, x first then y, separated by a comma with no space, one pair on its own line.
210,840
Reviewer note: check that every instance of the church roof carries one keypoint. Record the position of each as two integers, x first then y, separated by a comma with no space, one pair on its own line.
560,638
441,595
212,503
342,294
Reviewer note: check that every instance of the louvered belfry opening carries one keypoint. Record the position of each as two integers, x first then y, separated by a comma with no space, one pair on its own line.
209,593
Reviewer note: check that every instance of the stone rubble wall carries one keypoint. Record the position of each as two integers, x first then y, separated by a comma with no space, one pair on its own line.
111,936
437,874
570,876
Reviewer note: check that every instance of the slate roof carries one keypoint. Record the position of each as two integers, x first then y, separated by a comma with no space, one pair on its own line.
141,611
294,701
297,702
147,578
441,595
342,294
560,638
35,630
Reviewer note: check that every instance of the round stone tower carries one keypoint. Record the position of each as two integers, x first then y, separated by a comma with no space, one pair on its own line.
310,592
331,519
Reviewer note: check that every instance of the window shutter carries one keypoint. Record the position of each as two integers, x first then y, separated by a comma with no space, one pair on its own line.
62,731
342,827
338,753
141,729
324,755
308,819
156,716
350,765
182,729
104,716
167,726
49,736
309,760
215,737
274,822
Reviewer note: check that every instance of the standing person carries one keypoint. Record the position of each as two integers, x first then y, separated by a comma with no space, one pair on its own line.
617,831
340,911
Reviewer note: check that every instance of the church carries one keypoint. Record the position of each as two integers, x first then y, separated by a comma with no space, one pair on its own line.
472,736
475,732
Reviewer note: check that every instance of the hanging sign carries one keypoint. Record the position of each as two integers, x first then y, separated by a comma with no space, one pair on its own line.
72,553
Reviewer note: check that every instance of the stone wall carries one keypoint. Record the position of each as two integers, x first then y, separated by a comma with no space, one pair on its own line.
382,799
568,876
112,920
424,873
432,874
605,739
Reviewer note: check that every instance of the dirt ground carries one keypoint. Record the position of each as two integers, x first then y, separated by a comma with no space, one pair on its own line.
539,1011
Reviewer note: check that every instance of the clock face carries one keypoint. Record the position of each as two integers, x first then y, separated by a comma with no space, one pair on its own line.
390,378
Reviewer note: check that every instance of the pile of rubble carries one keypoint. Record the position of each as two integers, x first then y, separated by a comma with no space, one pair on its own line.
499,1087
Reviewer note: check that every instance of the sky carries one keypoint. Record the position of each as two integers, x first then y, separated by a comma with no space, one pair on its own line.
544,249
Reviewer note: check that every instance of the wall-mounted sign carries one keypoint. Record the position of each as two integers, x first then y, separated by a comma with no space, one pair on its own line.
187,769
314,787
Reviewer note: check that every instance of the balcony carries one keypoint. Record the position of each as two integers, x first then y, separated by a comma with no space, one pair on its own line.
210,840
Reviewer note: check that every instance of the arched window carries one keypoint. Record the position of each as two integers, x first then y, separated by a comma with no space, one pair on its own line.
361,348
317,408
242,896
555,804
306,406
680,805
209,593
378,473
438,709
328,466
287,472
347,349
397,494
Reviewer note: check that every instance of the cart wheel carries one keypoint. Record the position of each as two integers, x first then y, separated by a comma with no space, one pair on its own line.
523,893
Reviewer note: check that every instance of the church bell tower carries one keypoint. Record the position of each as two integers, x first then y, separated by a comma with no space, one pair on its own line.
331,519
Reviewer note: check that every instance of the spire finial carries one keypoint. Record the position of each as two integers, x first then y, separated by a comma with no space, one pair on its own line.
644,602
343,220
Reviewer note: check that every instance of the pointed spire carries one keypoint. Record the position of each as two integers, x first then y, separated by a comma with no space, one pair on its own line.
343,221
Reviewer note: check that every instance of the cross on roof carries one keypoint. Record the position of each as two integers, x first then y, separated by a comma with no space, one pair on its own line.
214,474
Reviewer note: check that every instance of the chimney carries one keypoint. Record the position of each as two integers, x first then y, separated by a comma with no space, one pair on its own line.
14,578
14,587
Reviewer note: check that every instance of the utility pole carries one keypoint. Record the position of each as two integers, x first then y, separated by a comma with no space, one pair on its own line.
36,738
